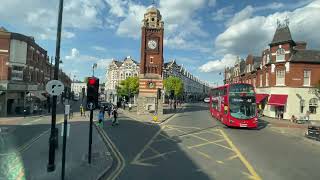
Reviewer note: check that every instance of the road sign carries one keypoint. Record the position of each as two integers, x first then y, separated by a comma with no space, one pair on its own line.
91,106
54,87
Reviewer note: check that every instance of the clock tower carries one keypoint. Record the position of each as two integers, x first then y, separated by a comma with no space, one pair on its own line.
151,63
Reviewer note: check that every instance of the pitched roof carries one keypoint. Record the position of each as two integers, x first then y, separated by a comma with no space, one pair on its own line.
281,35
306,56
118,63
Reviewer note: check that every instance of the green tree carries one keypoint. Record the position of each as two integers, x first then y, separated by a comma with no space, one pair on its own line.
174,83
128,87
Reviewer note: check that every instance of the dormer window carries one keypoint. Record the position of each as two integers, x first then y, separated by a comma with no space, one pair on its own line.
152,19
280,54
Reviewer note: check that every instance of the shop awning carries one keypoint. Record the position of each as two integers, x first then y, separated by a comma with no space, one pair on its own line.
260,97
278,99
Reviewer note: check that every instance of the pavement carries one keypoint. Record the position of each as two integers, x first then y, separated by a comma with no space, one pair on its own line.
285,127
24,151
193,145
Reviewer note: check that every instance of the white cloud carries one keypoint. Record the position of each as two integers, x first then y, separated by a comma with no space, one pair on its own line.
131,25
117,7
99,48
218,65
242,15
74,54
178,15
222,14
252,35
212,3
39,17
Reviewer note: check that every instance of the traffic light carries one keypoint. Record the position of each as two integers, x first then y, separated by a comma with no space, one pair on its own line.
93,91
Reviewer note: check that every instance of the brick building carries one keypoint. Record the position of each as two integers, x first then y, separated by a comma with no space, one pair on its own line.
24,71
285,76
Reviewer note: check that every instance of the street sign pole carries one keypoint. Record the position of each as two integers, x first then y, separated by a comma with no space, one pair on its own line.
90,132
64,146
54,132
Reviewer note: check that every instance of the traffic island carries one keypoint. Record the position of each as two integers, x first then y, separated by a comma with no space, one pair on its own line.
152,118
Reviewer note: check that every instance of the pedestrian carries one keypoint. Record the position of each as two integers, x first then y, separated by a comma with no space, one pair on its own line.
71,113
81,110
24,112
100,118
109,111
115,116
130,106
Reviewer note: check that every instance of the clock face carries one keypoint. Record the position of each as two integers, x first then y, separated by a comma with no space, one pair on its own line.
151,85
152,44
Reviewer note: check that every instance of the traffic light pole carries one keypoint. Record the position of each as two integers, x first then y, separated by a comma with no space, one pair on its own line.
54,133
90,135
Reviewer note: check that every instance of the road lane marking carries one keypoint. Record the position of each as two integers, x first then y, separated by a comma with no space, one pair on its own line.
166,137
232,157
25,146
156,156
138,156
220,162
186,127
241,157
203,154
120,159
206,143
157,152
163,125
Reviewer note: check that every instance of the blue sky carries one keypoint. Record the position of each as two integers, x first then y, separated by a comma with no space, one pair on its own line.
203,35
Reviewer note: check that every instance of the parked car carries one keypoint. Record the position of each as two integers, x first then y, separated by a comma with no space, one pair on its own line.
206,100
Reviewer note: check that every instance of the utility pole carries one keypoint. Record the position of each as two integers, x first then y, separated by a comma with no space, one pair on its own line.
54,131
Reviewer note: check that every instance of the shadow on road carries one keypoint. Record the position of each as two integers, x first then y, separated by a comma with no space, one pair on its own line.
148,156
187,108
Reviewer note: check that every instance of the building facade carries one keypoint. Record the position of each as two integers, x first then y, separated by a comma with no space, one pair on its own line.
285,76
79,88
25,70
194,88
116,72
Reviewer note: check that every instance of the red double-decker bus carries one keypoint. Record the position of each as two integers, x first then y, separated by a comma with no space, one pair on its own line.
234,105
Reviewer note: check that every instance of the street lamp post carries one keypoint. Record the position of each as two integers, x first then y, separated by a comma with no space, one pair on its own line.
54,132
93,66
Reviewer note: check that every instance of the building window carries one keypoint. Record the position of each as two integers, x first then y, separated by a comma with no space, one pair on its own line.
280,55
267,79
313,104
260,80
280,77
306,77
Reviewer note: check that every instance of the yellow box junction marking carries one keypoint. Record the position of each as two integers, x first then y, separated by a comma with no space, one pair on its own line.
250,168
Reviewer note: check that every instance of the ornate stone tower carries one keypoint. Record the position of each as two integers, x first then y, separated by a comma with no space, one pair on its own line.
151,81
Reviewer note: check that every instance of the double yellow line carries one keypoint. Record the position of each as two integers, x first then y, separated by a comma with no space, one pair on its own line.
120,159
